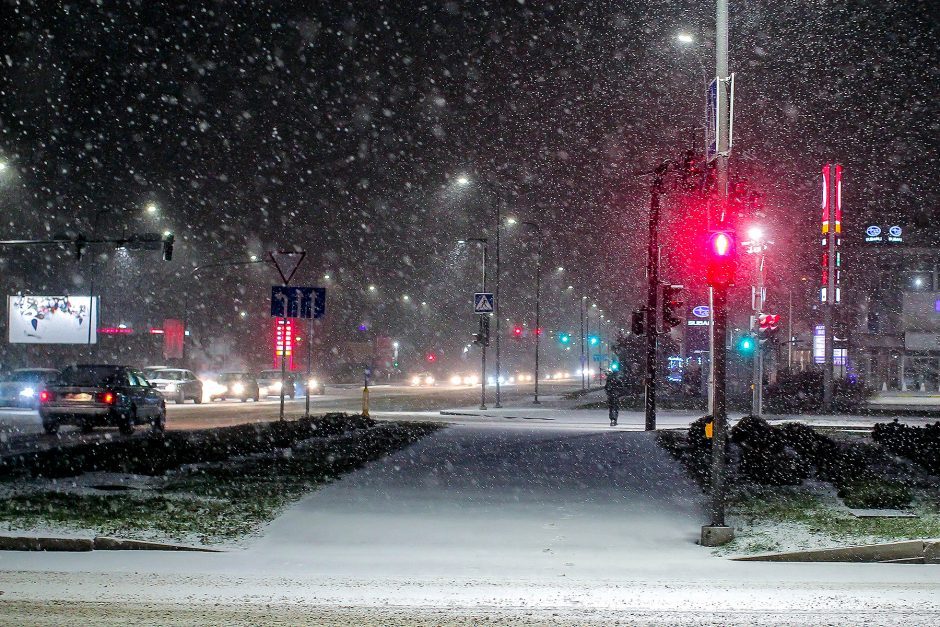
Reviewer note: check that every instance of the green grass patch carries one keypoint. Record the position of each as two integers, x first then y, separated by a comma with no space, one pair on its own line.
798,517
216,503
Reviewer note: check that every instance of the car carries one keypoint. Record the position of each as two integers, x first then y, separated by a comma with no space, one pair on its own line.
240,385
270,383
422,378
177,384
90,395
21,387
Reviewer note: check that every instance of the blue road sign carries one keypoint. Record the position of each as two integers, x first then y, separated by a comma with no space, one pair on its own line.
599,357
297,302
483,303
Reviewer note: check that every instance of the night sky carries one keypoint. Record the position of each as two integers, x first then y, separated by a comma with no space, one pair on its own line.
342,127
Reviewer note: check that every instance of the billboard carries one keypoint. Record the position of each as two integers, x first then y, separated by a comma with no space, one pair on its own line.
52,319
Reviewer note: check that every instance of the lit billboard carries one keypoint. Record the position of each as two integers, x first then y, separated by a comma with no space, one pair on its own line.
52,319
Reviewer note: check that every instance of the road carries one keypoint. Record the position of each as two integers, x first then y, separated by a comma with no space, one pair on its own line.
21,430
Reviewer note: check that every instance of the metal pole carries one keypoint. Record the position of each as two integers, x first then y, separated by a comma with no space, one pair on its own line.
652,297
309,366
485,331
830,292
496,304
757,370
720,426
581,311
717,532
538,328
790,334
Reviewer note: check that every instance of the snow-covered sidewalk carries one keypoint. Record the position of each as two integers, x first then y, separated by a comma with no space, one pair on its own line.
550,521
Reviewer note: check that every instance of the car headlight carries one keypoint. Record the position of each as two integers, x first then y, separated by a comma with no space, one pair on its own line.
170,387
237,388
416,381
312,383
429,380
456,380
28,392
275,385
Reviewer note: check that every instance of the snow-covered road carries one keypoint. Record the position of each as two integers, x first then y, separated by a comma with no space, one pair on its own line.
511,522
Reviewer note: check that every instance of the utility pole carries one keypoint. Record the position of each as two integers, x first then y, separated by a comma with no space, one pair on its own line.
790,333
652,294
717,532
538,287
499,202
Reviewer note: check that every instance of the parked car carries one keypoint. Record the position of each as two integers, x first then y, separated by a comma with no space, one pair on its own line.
176,384
90,395
21,387
240,385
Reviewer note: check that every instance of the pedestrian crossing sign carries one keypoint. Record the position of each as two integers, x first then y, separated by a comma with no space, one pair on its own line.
483,303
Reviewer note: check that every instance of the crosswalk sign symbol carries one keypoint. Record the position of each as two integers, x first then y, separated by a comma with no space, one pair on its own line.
483,303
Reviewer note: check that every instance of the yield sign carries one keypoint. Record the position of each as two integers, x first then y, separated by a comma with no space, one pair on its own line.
287,262
483,303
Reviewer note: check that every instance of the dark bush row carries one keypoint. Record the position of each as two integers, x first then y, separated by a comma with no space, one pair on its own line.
801,392
839,464
919,444
153,454
765,456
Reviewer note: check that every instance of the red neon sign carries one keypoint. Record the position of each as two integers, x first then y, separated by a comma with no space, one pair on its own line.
285,341
115,331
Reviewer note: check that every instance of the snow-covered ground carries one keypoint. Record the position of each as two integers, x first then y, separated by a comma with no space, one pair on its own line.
547,522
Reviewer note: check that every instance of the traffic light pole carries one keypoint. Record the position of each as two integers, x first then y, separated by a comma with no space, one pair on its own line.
652,295
581,304
720,416
757,396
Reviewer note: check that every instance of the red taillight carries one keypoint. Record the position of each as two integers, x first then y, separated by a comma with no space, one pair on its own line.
45,396
107,398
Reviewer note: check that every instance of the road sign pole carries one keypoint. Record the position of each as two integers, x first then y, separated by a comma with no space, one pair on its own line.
283,323
309,365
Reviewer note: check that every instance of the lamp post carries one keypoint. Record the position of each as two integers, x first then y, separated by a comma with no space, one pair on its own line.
538,290
757,246
484,322
581,305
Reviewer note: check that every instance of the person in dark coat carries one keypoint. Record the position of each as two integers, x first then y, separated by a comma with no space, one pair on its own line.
614,388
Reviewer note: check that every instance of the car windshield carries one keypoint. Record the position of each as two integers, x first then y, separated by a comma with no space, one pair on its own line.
90,375
231,377
167,375
271,374
27,376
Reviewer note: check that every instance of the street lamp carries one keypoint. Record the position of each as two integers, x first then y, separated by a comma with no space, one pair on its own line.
151,208
538,290
484,323
757,246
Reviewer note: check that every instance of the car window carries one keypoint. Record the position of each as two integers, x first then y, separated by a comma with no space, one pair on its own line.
91,376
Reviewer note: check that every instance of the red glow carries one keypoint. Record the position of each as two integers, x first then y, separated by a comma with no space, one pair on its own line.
156,331
45,396
432,357
107,398
517,331
285,341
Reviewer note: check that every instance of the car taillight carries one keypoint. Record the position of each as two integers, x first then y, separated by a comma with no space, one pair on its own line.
106,397
45,396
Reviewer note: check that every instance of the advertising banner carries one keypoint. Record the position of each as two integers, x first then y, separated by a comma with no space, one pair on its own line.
52,319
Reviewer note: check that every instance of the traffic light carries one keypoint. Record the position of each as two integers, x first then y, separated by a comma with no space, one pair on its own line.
615,366
168,240
721,259
594,340
746,345
482,337
564,338
431,358
517,332
768,325
637,327
672,307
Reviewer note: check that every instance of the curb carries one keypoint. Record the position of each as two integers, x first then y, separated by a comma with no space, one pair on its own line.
906,552
99,543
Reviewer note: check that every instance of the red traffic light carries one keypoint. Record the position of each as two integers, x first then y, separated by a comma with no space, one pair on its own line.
769,322
517,331
720,259
432,357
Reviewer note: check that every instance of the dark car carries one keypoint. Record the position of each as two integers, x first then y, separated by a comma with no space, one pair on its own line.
101,395
269,382
176,384
21,388
240,385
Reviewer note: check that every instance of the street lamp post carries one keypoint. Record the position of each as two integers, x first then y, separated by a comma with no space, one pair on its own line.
581,305
538,289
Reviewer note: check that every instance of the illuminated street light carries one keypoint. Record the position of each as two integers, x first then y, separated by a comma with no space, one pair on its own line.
755,233
406,298
511,221
253,258
326,277
685,38
372,288
151,208
463,180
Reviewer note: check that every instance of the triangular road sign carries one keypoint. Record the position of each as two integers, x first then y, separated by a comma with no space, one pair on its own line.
483,303
287,262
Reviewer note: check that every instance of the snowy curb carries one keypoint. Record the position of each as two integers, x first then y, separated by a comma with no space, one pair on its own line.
907,552
99,543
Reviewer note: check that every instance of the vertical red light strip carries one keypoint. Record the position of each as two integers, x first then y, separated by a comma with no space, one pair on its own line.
284,333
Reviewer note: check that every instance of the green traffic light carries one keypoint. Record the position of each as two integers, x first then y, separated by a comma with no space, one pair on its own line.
746,345
594,340
564,338
614,366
